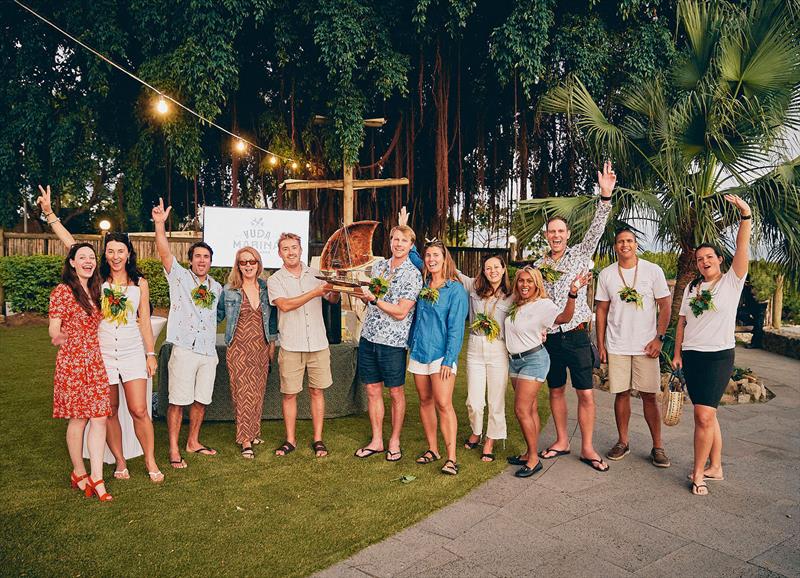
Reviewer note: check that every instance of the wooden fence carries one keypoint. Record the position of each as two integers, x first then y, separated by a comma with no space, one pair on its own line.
468,259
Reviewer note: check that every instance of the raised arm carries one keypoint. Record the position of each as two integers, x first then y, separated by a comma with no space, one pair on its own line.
160,216
741,259
569,309
606,182
51,218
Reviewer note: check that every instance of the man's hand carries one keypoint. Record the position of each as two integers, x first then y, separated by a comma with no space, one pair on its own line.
607,179
44,200
402,217
271,351
601,349
159,214
653,349
367,296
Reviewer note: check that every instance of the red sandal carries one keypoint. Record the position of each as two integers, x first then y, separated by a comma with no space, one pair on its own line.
75,480
91,488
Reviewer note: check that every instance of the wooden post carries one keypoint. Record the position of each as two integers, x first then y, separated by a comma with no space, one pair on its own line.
2,290
777,302
348,200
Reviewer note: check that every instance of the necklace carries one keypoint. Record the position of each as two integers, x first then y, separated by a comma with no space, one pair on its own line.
630,294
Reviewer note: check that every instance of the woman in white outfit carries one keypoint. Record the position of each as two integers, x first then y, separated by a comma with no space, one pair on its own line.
126,340
490,298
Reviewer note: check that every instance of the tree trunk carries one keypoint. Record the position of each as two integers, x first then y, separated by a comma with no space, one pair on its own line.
777,303
686,272
441,93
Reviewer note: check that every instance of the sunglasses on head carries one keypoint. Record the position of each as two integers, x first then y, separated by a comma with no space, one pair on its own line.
248,262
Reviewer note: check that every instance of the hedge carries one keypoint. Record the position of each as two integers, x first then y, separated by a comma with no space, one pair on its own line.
28,280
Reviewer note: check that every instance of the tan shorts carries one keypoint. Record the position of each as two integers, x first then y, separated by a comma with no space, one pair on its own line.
191,376
292,365
638,372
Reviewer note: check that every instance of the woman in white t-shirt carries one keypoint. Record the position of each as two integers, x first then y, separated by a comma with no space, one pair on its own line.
705,344
531,314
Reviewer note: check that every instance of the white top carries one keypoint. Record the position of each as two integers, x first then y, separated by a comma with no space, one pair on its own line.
630,328
302,329
191,326
714,329
497,305
524,332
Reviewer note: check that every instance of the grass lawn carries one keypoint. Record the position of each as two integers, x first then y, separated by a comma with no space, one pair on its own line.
220,516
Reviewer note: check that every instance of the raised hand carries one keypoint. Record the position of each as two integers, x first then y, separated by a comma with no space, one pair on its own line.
44,200
607,180
402,217
736,201
159,214
580,281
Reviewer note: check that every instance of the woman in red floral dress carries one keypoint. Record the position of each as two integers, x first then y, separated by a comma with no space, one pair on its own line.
81,393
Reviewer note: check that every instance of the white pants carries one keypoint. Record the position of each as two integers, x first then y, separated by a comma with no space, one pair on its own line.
487,378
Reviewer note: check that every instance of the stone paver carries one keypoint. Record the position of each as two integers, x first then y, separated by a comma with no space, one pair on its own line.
636,520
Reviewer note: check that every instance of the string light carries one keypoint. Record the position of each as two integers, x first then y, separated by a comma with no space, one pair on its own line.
294,165
162,104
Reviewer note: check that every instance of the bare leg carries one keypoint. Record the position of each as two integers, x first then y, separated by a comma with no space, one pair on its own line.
114,433
622,415
558,408
448,422
75,429
289,406
652,415
174,420
427,411
97,446
586,412
317,415
398,397
704,429
527,412
715,467
376,413
197,411
136,399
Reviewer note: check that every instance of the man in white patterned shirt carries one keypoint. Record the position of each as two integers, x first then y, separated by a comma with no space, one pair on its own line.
568,345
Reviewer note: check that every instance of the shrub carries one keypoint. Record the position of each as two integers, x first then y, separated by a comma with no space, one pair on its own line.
28,280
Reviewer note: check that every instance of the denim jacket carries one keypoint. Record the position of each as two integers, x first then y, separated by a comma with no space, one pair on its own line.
231,304
439,327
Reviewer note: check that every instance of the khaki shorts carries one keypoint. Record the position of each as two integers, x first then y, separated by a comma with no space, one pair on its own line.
191,376
292,365
639,372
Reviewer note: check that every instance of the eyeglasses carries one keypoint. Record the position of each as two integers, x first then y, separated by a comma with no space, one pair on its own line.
248,262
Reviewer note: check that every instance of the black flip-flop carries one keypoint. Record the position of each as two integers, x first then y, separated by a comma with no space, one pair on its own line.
595,464
319,446
526,471
427,457
485,456
390,455
248,453
180,461
286,448
366,452
202,449
471,445
450,470
555,451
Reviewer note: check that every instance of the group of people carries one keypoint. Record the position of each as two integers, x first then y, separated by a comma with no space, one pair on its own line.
533,330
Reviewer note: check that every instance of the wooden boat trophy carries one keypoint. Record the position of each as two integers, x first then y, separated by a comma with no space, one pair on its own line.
346,254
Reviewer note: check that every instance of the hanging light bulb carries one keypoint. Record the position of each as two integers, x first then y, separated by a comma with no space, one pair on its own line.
273,160
308,166
294,165
240,146
162,106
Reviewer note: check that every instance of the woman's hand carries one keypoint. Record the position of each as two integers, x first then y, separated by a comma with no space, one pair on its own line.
737,201
59,339
580,281
677,361
152,365
445,372
44,200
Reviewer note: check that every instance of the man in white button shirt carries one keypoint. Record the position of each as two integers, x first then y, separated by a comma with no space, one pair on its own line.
631,293
297,293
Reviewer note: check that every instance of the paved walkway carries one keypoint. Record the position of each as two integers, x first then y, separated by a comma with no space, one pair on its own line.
634,520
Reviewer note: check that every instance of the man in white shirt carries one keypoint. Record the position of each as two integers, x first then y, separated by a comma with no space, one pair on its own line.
297,293
633,309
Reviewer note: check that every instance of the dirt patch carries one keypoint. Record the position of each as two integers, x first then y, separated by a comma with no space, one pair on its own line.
26,319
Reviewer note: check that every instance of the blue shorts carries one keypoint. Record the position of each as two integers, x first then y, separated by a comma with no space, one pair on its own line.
533,366
381,363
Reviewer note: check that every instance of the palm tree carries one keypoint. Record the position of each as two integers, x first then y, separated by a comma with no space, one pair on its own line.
715,124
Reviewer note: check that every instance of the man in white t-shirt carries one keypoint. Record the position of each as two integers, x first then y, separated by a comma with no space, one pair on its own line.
633,310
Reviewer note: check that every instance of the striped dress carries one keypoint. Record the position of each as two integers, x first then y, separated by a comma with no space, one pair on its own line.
248,365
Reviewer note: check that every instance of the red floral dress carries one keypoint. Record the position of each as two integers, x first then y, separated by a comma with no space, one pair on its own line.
80,388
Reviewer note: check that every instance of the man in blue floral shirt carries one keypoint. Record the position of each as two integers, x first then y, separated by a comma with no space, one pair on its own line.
384,339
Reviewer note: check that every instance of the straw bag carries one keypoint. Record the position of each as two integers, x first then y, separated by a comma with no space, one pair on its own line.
672,398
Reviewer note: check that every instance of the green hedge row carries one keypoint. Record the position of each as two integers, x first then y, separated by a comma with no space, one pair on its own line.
28,281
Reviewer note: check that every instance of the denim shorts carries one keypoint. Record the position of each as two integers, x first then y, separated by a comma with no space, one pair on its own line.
381,363
533,366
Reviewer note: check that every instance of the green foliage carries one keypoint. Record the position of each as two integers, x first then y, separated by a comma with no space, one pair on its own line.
763,277
28,281
740,373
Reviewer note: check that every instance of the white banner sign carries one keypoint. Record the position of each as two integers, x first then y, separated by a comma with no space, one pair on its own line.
228,229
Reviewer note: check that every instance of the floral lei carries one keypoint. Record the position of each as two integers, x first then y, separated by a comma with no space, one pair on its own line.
703,300
115,304
549,273
486,323
378,286
630,294
429,294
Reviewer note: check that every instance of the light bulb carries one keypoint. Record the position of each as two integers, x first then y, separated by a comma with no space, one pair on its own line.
162,106
273,160
240,146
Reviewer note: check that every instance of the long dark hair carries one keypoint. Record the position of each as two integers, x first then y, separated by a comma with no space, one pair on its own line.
70,278
482,286
699,279
131,268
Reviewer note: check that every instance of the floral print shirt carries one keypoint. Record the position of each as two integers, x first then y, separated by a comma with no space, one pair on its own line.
405,283
190,326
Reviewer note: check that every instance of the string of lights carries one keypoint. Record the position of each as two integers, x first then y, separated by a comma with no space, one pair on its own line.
240,143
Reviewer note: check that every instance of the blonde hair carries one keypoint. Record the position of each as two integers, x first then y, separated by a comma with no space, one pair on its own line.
405,230
449,269
538,285
235,278
292,236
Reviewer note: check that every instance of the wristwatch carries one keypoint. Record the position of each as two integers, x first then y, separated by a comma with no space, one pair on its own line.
661,337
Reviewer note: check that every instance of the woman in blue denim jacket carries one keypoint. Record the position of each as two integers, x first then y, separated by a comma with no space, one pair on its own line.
250,335
435,343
